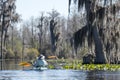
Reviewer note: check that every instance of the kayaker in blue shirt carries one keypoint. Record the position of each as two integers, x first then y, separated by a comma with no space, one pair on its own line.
40,62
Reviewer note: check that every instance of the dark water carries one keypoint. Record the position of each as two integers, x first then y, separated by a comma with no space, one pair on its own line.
10,65
57,75
12,71
42,75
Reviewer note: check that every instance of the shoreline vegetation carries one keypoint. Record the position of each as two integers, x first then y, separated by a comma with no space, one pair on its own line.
77,65
68,64
90,33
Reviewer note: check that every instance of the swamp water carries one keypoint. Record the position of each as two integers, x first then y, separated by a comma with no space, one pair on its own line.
12,71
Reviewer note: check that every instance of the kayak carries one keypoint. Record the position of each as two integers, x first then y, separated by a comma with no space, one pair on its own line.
40,64
40,68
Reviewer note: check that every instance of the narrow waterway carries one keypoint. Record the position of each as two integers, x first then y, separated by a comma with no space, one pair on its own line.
12,71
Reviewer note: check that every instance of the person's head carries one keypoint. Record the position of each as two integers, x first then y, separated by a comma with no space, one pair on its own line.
41,56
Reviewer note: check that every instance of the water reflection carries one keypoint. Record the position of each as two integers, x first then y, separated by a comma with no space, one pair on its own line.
103,75
10,65
43,75
12,71
58,75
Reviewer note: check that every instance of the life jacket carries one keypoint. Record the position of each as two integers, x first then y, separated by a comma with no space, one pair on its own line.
40,62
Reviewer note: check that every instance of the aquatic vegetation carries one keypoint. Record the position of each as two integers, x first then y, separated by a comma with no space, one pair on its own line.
111,67
50,66
77,65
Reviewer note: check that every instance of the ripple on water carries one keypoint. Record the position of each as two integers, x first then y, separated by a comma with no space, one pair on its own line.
42,75
58,75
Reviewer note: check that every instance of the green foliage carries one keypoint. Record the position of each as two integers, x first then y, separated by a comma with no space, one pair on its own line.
31,53
88,67
77,65
51,67
9,54
17,48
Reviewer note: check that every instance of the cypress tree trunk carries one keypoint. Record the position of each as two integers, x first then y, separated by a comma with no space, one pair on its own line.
100,57
52,25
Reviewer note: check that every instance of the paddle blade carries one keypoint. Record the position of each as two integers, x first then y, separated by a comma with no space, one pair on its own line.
26,64
52,57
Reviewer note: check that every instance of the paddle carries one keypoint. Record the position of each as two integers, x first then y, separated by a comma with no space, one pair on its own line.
25,64
28,64
52,57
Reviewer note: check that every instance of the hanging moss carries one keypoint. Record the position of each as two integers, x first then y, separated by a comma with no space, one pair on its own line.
114,9
69,5
102,27
81,3
100,12
90,38
79,37
91,16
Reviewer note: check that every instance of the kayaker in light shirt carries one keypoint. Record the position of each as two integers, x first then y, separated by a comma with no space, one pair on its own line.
40,62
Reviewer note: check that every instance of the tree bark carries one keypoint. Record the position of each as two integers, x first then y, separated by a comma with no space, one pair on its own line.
100,56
